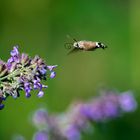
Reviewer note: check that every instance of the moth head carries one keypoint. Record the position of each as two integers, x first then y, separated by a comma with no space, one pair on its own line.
100,45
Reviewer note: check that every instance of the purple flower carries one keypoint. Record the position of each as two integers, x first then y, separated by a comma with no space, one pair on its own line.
27,94
127,102
15,51
94,111
79,116
51,67
15,57
37,84
110,109
72,133
10,60
40,94
27,88
1,99
24,58
42,71
1,106
102,108
109,106
52,75
40,118
21,72
40,136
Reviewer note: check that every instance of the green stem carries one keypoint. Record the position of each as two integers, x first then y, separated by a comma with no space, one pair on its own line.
16,72
11,74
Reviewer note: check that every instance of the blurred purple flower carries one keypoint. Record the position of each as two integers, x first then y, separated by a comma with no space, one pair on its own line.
72,133
102,108
78,117
40,136
110,110
18,137
40,118
127,102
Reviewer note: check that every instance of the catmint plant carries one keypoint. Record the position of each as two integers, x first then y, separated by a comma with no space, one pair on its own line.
80,116
21,72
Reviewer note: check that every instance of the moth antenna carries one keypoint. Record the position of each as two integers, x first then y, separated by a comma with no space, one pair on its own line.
68,36
75,40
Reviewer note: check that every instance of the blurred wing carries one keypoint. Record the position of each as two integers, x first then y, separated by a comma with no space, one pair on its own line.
74,50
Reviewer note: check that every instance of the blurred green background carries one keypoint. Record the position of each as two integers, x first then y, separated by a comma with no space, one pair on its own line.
41,27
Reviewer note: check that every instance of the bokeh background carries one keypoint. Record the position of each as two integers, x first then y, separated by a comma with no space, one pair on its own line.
41,27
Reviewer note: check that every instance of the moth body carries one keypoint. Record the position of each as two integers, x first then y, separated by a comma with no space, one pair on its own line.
88,45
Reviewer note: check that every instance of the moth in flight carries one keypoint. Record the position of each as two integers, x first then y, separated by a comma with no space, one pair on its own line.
84,45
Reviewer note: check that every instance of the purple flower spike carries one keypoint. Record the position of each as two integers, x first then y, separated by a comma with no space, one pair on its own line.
40,94
52,75
80,116
21,72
